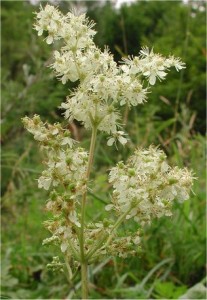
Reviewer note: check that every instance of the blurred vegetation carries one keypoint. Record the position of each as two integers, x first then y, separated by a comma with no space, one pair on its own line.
172,261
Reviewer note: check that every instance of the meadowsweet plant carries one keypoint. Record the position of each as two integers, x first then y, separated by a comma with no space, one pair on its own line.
144,187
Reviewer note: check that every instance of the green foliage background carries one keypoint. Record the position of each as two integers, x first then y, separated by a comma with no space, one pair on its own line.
173,250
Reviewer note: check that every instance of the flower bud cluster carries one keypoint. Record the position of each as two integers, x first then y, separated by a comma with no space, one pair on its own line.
104,85
63,234
55,265
66,173
146,186
51,137
66,164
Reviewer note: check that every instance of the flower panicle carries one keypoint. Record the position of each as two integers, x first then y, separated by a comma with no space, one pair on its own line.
147,186
144,187
104,85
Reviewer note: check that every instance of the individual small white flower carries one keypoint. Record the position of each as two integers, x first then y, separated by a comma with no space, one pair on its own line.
119,135
67,141
145,51
136,240
73,218
55,131
111,141
44,182
64,246
61,168
175,62
155,72
164,167
109,207
49,39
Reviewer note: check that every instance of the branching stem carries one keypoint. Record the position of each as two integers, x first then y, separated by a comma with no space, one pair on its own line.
84,279
118,222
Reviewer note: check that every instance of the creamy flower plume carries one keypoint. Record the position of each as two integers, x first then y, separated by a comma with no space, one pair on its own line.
104,86
75,30
143,188
65,175
146,186
152,65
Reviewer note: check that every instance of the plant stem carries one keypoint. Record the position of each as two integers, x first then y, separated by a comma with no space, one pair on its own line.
84,279
118,222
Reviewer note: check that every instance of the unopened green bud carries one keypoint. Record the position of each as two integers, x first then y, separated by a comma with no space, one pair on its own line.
106,222
85,158
165,201
172,180
120,165
72,187
66,198
131,171
162,156
66,182
147,160
68,160
50,143
96,55
134,202
110,109
115,193
73,49
67,133
36,119
153,176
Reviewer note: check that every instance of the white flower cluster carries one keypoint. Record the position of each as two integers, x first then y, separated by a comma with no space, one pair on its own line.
151,65
66,164
75,30
146,186
55,265
66,174
104,85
